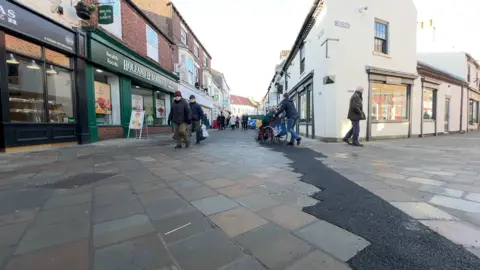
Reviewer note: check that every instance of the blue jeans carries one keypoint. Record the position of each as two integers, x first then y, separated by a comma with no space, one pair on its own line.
354,131
291,128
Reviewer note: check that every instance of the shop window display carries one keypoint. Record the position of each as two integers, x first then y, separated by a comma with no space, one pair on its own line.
429,104
142,100
60,102
107,98
162,107
389,102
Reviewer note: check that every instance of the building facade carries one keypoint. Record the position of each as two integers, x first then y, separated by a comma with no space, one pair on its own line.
223,99
242,105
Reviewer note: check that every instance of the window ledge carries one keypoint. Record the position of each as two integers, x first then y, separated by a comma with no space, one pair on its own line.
429,120
389,121
382,55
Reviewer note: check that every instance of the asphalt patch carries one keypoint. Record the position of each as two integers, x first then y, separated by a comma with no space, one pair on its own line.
397,241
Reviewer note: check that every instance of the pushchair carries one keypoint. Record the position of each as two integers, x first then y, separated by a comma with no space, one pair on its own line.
252,124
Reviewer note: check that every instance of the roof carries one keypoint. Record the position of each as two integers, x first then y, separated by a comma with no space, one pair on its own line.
189,28
238,100
218,77
446,75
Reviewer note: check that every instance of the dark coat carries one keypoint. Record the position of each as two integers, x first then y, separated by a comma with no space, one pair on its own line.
245,118
180,112
355,110
197,111
289,108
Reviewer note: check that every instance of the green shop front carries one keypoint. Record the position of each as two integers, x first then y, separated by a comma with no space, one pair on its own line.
119,81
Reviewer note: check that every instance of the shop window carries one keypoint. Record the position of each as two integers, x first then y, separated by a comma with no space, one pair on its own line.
60,88
142,100
303,108
23,47
107,98
310,102
53,57
162,108
25,89
429,104
473,112
152,43
389,102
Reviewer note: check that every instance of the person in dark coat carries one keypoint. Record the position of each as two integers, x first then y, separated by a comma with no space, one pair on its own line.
181,116
197,117
291,114
237,122
221,121
245,121
355,114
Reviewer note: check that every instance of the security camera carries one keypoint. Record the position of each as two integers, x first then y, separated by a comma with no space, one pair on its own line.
56,5
363,9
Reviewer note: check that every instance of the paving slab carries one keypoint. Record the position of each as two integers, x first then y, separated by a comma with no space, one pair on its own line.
244,263
392,194
257,202
209,250
473,197
475,251
39,237
235,191
426,181
121,229
118,210
179,227
167,208
421,210
68,200
197,193
184,184
112,188
146,252
62,214
287,216
318,260
273,246
332,239
237,221
157,196
145,186
18,216
71,256
456,231
10,234
295,199
219,183
114,198
463,205
442,191
215,204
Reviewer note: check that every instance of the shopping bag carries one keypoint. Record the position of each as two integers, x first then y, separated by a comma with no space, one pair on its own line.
204,131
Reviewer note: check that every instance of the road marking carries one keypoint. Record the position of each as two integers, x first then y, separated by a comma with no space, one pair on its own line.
181,227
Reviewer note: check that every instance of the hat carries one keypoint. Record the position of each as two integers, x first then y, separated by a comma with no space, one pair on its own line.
178,93
192,97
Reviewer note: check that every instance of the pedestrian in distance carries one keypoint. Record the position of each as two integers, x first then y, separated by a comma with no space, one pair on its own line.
197,117
291,114
355,115
232,123
245,121
221,121
237,122
181,116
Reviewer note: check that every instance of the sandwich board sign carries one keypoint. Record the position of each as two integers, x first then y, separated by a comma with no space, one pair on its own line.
137,120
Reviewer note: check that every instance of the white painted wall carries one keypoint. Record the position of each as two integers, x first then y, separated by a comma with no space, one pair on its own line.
239,110
349,56
452,62
68,19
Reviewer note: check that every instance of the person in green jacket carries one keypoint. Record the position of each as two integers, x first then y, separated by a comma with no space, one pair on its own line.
266,121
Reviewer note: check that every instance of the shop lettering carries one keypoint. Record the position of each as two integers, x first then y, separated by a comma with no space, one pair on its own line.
145,73
8,14
112,59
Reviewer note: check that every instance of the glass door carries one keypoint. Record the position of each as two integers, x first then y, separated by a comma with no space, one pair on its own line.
447,113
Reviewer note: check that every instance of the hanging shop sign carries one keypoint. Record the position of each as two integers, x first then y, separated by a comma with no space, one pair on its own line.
23,21
105,14
116,61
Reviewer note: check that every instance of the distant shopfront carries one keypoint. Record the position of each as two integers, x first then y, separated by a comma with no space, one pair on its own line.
37,90
119,81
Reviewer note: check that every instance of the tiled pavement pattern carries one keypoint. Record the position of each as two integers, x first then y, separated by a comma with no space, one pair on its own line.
435,180
223,205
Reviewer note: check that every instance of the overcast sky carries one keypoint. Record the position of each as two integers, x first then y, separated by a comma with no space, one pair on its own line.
245,37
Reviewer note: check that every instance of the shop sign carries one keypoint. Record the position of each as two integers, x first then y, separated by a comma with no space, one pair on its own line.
394,80
342,24
136,119
23,21
105,14
103,104
116,61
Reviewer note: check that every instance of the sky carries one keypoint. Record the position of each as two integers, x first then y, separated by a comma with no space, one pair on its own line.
245,37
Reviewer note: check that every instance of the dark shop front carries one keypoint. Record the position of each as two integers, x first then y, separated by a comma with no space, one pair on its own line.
37,84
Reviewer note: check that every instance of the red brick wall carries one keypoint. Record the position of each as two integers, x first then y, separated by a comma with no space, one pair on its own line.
106,133
134,35
159,130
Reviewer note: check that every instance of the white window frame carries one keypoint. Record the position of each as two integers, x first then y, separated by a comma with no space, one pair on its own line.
205,60
190,70
152,45
184,34
196,73
196,50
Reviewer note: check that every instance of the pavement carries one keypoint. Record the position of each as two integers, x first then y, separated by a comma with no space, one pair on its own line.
231,203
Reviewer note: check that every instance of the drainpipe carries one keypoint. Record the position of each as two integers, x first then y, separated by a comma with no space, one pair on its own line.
421,112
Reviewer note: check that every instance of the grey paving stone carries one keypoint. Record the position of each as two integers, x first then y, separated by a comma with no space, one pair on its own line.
12,201
473,197
456,231
215,204
415,173
391,175
475,251
117,210
18,216
467,188
219,183
10,234
157,196
121,229
235,191
62,214
183,184
334,240
197,193
209,250
5,253
443,173
113,188
167,208
146,252
244,263
179,227
426,181
392,194
294,199
287,216
68,200
114,198
422,210
257,202
273,246
237,221
442,191
318,260
54,234
303,188
145,186
463,205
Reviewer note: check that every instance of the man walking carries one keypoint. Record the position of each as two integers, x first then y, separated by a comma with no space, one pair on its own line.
197,116
244,121
181,116
355,114
221,121
291,114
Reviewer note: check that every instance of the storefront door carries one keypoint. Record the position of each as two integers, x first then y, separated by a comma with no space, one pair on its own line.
447,113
